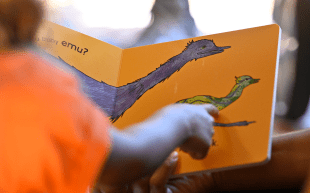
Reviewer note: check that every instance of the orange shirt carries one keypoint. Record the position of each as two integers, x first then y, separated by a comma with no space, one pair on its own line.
52,138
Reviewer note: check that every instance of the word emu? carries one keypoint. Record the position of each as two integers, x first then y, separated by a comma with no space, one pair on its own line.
67,44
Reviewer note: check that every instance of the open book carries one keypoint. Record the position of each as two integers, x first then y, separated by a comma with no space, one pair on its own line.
236,71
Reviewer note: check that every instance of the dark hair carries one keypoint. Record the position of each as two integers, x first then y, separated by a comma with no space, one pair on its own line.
20,20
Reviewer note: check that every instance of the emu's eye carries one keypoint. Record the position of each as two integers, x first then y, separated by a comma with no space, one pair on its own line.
203,47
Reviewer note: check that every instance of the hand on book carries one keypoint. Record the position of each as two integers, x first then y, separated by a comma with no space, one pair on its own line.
196,122
189,127
160,181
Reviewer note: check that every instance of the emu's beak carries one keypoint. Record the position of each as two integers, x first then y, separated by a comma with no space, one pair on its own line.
220,49
215,51
255,80
226,47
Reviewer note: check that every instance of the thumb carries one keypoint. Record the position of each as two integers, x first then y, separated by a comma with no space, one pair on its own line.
161,176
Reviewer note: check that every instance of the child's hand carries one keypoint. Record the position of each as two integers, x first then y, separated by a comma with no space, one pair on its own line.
197,121
147,144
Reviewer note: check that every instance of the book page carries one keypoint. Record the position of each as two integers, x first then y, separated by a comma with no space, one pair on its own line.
97,59
236,71
240,80
96,63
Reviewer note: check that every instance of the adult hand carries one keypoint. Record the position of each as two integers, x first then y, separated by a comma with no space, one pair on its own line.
160,181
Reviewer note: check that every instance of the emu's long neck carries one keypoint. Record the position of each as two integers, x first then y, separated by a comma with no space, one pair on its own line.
128,94
235,92
163,72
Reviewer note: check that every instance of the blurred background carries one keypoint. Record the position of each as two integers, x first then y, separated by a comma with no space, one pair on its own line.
131,23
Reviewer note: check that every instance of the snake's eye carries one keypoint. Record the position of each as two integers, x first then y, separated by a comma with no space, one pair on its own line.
203,47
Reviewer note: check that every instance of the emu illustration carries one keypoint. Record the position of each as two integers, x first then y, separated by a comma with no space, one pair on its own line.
221,103
116,100
241,83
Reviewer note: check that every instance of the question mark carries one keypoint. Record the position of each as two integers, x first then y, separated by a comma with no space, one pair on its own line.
86,50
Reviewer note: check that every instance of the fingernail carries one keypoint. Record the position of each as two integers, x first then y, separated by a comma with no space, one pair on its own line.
174,156
169,190
216,110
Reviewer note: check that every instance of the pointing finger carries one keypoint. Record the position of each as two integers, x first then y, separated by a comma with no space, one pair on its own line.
212,109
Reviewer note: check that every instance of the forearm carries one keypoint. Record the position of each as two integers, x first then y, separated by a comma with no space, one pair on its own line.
140,149
287,168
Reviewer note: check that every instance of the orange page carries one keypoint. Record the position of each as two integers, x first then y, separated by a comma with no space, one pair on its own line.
93,57
253,55
236,70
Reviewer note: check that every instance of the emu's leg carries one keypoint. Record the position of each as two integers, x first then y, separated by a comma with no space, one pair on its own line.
241,123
